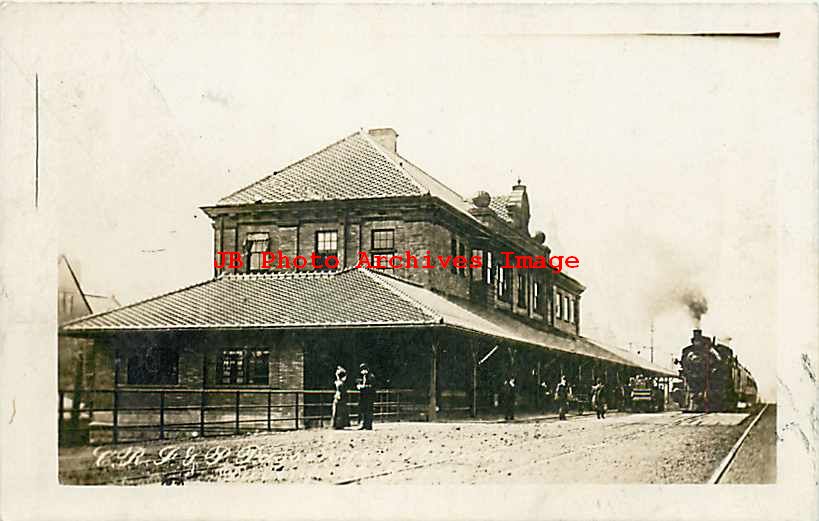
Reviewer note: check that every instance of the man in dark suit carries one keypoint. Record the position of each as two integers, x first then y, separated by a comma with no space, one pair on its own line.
366,397
508,394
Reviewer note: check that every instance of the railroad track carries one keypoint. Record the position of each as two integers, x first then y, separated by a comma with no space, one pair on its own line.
726,462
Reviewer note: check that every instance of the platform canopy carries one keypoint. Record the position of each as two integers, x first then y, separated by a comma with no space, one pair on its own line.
352,298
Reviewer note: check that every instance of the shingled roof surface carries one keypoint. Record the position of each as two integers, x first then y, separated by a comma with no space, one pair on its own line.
498,205
265,300
349,298
474,317
354,168
357,167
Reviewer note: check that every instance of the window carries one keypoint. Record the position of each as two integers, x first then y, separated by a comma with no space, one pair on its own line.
326,245
571,310
488,267
259,367
456,248
537,296
155,366
66,302
522,283
565,309
557,304
505,284
233,367
255,244
383,247
327,242
240,366
453,251
383,241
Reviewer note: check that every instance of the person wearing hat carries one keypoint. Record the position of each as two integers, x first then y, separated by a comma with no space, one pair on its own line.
341,412
599,399
508,394
366,397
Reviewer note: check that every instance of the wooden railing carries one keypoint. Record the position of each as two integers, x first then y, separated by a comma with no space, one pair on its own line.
126,414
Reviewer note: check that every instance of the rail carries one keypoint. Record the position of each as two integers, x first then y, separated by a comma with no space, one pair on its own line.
729,458
126,414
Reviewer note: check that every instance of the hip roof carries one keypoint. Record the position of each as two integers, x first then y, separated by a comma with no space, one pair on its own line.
343,299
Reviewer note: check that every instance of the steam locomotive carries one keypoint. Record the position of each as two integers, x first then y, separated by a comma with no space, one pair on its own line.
714,379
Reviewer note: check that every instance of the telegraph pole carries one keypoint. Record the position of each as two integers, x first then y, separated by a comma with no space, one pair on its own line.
652,341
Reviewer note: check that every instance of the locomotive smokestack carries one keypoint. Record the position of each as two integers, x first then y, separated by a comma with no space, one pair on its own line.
697,336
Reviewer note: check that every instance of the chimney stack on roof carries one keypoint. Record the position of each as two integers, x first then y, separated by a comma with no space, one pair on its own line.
518,207
386,137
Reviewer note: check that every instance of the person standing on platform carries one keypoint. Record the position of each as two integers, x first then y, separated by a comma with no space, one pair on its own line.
341,411
366,398
509,392
562,397
546,394
599,399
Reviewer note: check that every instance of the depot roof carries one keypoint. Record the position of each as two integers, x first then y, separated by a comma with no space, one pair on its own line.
344,299
353,168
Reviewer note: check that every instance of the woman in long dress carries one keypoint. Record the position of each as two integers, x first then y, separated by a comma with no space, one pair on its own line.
341,412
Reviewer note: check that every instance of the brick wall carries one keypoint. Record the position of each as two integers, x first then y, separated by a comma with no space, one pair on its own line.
286,371
438,241
417,236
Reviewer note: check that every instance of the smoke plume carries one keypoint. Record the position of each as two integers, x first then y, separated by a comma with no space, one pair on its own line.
697,305
671,279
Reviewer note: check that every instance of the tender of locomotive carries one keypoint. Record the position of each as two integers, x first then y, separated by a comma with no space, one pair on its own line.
714,378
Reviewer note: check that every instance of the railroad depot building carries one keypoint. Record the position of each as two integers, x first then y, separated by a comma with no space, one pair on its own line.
451,336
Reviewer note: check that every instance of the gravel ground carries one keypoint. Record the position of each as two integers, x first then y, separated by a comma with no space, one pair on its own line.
669,447
755,461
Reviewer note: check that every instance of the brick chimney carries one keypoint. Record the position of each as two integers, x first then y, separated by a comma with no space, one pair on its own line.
386,137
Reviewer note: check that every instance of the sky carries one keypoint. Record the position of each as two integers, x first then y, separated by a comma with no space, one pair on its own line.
654,160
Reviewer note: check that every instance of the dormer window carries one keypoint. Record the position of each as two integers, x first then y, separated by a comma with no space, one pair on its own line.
255,244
